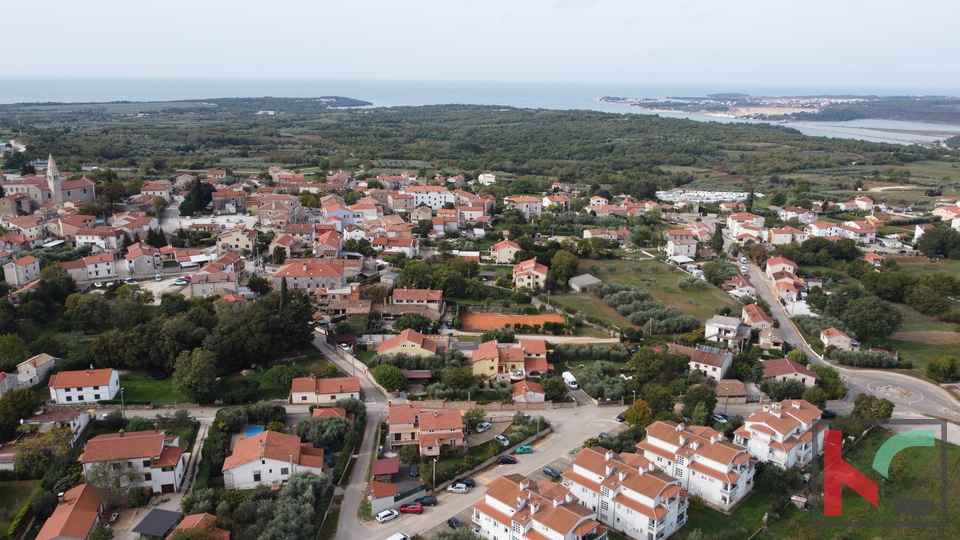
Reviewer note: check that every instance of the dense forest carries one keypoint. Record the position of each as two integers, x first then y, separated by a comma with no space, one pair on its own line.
625,151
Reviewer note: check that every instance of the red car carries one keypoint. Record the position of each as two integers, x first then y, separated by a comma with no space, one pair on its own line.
413,508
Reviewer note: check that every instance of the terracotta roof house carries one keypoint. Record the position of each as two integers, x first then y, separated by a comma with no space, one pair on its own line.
158,456
85,386
836,338
76,515
269,458
782,433
325,391
731,391
784,369
408,342
205,523
513,360
529,274
528,392
755,317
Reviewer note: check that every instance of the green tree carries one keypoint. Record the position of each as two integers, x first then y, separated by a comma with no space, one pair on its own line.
460,378
940,241
279,255
700,415
871,318
377,294
259,285
555,389
798,356
869,407
195,374
564,265
14,405
815,397
389,377
413,321
159,206
33,456
475,417
101,532
13,350
280,375
115,478
415,275
716,239
700,393
781,390
658,399
638,414
409,454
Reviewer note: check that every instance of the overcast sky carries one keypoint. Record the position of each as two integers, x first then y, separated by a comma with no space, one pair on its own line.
836,43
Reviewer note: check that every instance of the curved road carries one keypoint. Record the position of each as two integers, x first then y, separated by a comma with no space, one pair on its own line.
910,396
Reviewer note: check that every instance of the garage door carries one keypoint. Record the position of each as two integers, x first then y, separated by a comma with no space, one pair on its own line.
167,488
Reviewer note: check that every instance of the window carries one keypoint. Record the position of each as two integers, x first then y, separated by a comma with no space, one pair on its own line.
680,460
303,398
147,477
146,463
69,398
256,476
96,396
79,398
284,471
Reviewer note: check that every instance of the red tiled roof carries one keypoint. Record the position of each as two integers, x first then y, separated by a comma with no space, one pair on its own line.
412,336
80,379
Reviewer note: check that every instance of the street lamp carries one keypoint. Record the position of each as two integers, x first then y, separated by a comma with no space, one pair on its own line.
123,411
634,396
434,476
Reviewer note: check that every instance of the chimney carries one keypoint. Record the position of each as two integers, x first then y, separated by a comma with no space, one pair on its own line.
621,475
436,414
261,442
534,507
683,441
609,455
60,497
156,427
568,497
679,427
294,430
609,470
121,432
525,484
796,404
558,501
694,446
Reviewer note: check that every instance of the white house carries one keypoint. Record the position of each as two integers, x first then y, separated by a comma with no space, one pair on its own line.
704,462
487,179
517,508
101,267
85,386
711,361
780,264
324,391
528,392
687,248
782,433
726,329
76,418
784,369
436,197
838,339
822,229
529,207
628,492
35,370
503,251
269,458
22,271
154,453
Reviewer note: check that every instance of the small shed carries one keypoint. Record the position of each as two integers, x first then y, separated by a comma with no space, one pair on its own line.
582,283
384,469
731,391
158,523
382,496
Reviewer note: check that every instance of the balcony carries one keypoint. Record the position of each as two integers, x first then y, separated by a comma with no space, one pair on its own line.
517,374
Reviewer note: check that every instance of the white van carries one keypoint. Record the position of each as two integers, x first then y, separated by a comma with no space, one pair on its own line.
399,536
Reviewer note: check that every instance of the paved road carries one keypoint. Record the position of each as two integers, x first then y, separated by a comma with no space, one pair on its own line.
910,396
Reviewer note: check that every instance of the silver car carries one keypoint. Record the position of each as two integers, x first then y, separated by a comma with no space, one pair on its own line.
387,515
502,440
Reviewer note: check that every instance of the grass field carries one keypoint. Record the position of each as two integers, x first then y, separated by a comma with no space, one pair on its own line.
929,267
655,277
137,387
13,495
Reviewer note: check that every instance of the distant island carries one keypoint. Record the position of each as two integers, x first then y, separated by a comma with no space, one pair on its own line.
929,109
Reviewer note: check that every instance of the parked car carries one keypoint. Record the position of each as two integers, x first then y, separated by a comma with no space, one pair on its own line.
130,281
412,508
551,472
502,440
484,427
158,277
457,488
387,515
523,450
345,347
507,460
429,500
744,270
469,482
620,418
414,469
98,285
603,435
188,278
827,415
723,418
526,416
454,523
